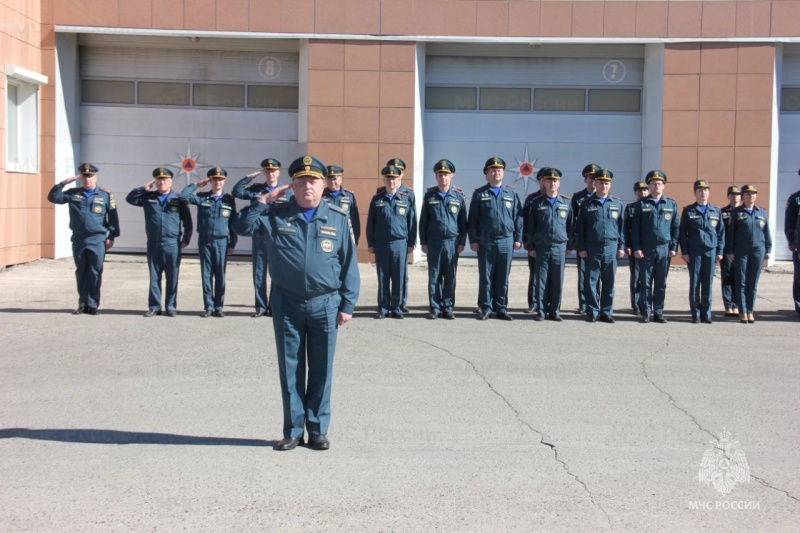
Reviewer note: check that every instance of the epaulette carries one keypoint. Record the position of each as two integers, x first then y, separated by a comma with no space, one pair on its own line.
688,206
403,193
338,209
345,189
565,197
105,190
511,187
432,189
380,190
228,197
459,190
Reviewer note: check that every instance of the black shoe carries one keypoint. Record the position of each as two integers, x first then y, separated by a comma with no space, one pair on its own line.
477,311
538,318
318,442
219,314
530,310
171,314
484,316
207,313
258,314
581,310
432,315
504,316
80,311
152,312
448,315
289,443
659,319
380,315
92,311
591,318
269,312
645,319
695,320
555,318
404,309
396,314
608,319
707,321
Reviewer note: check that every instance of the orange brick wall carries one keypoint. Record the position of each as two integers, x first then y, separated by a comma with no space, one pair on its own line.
717,117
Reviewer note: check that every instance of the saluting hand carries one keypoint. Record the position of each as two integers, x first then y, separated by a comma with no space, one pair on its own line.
277,192
149,185
203,182
254,174
70,180
343,318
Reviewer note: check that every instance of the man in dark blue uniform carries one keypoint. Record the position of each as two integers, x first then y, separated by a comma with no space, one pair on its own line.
391,236
577,199
315,284
401,166
654,241
600,241
443,235
495,230
527,243
246,190
94,223
341,197
216,241
641,191
730,295
748,243
168,225
790,221
702,240
550,224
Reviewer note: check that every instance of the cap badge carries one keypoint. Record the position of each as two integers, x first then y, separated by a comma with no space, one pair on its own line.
307,160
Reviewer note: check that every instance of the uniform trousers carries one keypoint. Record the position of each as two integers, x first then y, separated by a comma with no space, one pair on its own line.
598,285
748,270
164,261
89,252
730,295
581,264
213,260
796,281
390,263
494,265
634,266
653,279
533,292
550,261
260,266
305,337
442,265
702,264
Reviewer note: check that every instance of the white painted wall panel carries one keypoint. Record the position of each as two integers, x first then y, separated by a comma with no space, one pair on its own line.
788,180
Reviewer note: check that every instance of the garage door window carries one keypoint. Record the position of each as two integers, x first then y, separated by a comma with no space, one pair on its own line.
155,93
559,100
215,95
272,97
614,100
461,98
108,92
790,99
505,99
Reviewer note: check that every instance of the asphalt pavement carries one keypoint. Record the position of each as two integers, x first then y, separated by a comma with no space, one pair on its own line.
123,423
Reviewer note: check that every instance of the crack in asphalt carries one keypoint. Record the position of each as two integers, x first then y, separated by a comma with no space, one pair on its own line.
672,401
523,422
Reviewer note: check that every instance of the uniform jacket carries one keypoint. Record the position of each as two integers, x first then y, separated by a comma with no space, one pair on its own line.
527,238
445,218
493,216
391,220
549,225
346,200
411,197
790,218
307,259
748,232
655,224
725,212
701,232
214,216
170,221
600,224
95,214
627,224
577,199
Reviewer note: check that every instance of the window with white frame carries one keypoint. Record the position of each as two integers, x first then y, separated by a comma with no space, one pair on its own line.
22,119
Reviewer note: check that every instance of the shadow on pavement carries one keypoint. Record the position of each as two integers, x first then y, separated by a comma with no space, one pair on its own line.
107,436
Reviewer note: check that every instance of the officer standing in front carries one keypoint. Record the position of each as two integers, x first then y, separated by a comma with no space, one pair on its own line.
168,224
702,240
443,235
315,285
577,199
412,199
391,236
94,223
730,295
654,241
790,222
600,241
215,240
495,230
341,197
550,226
246,190
527,243
748,244
641,191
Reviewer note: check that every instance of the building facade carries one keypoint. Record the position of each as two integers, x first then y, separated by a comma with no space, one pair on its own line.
700,89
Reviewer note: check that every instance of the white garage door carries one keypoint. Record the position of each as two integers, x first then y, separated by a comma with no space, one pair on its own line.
151,102
561,111
789,149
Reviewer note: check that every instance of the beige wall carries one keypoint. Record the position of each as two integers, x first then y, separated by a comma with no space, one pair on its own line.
21,197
